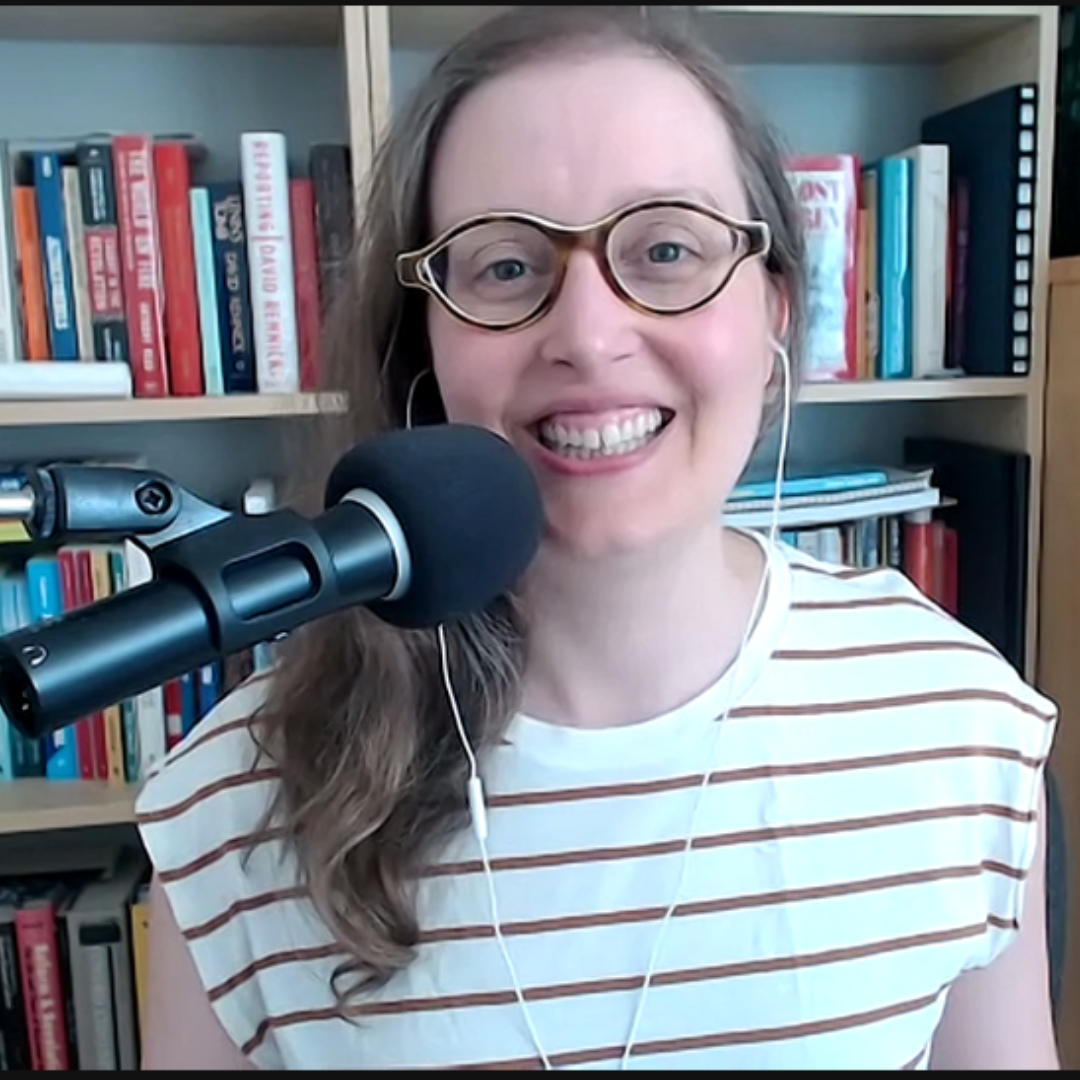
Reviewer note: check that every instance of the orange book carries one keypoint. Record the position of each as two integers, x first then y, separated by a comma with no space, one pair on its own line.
31,275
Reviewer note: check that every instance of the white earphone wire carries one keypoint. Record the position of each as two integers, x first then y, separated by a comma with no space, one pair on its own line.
477,806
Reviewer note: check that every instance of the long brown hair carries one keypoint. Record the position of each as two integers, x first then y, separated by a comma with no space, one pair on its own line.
372,774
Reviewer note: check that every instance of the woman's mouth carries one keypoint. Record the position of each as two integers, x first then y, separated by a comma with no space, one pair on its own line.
580,437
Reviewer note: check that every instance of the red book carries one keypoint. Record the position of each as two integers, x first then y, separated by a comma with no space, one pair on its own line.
306,277
918,547
173,694
827,188
140,262
172,179
67,562
40,967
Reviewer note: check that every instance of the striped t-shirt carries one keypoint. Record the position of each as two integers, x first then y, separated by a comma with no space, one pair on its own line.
864,838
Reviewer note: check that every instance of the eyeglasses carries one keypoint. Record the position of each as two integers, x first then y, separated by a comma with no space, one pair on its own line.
502,271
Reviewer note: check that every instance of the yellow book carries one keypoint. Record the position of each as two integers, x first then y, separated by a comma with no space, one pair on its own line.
140,931
114,728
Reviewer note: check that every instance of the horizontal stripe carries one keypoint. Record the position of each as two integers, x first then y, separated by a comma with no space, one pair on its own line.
269,774
959,696
856,603
706,843
630,984
633,789
218,787
657,1047
247,905
877,779
891,648
600,920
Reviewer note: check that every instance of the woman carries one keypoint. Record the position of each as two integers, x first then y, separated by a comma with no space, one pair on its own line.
743,809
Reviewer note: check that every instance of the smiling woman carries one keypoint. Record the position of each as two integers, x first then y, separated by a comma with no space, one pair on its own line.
685,798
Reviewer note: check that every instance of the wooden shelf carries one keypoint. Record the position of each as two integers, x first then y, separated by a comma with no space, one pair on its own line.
284,24
30,806
871,390
87,411
782,33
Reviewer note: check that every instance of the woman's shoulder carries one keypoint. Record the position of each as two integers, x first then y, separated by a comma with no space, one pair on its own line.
204,817
221,755
881,639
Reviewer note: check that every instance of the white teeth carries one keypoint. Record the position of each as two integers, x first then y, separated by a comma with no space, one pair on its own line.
607,441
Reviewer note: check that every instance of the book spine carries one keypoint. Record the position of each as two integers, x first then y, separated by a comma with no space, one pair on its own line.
15,1053
76,244
232,281
265,181
75,597
34,306
55,256
306,279
206,288
895,268
97,188
111,720
827,189
40,965
140,261
330,167
10,321
46,601
1024,251
172,178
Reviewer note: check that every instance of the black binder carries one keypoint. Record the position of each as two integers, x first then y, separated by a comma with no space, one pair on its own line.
991,489
993,144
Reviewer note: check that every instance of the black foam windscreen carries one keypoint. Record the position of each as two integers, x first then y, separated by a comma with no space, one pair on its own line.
468,505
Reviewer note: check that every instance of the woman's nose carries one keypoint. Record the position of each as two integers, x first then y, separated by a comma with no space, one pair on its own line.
589,325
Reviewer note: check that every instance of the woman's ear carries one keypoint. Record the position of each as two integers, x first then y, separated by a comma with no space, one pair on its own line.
779,312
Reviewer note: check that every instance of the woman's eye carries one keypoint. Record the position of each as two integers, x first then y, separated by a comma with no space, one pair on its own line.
507,269
665,252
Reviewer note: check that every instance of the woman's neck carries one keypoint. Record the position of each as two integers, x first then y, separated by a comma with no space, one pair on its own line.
618,641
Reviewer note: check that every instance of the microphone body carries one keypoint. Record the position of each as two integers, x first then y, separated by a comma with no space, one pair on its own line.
423,527
236,584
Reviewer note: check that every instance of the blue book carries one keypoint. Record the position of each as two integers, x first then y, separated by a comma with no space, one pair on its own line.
209,687
817,483
894,266
189,702
55,255
206,287
19,756
46,601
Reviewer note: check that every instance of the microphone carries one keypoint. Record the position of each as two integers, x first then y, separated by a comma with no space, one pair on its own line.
422,526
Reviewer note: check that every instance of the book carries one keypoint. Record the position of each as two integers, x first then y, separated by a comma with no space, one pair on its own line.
993,150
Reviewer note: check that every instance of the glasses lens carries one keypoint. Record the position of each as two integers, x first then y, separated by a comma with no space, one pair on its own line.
497,272
671,257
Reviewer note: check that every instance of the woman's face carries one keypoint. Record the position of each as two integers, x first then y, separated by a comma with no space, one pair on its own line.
636,425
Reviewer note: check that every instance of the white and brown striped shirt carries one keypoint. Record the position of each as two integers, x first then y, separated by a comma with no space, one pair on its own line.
864,839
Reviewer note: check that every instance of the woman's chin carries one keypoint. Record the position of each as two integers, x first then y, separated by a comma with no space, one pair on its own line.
599,536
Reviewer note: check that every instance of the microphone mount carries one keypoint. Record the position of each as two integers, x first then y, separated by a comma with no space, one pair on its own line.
106,502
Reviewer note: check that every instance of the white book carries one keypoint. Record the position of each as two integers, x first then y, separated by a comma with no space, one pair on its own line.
10,302
264,172
930,257
75,230
149,706
807,517
45,380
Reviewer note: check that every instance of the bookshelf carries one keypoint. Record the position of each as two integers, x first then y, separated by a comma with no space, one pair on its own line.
91,413
857,78
831,79
44,806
